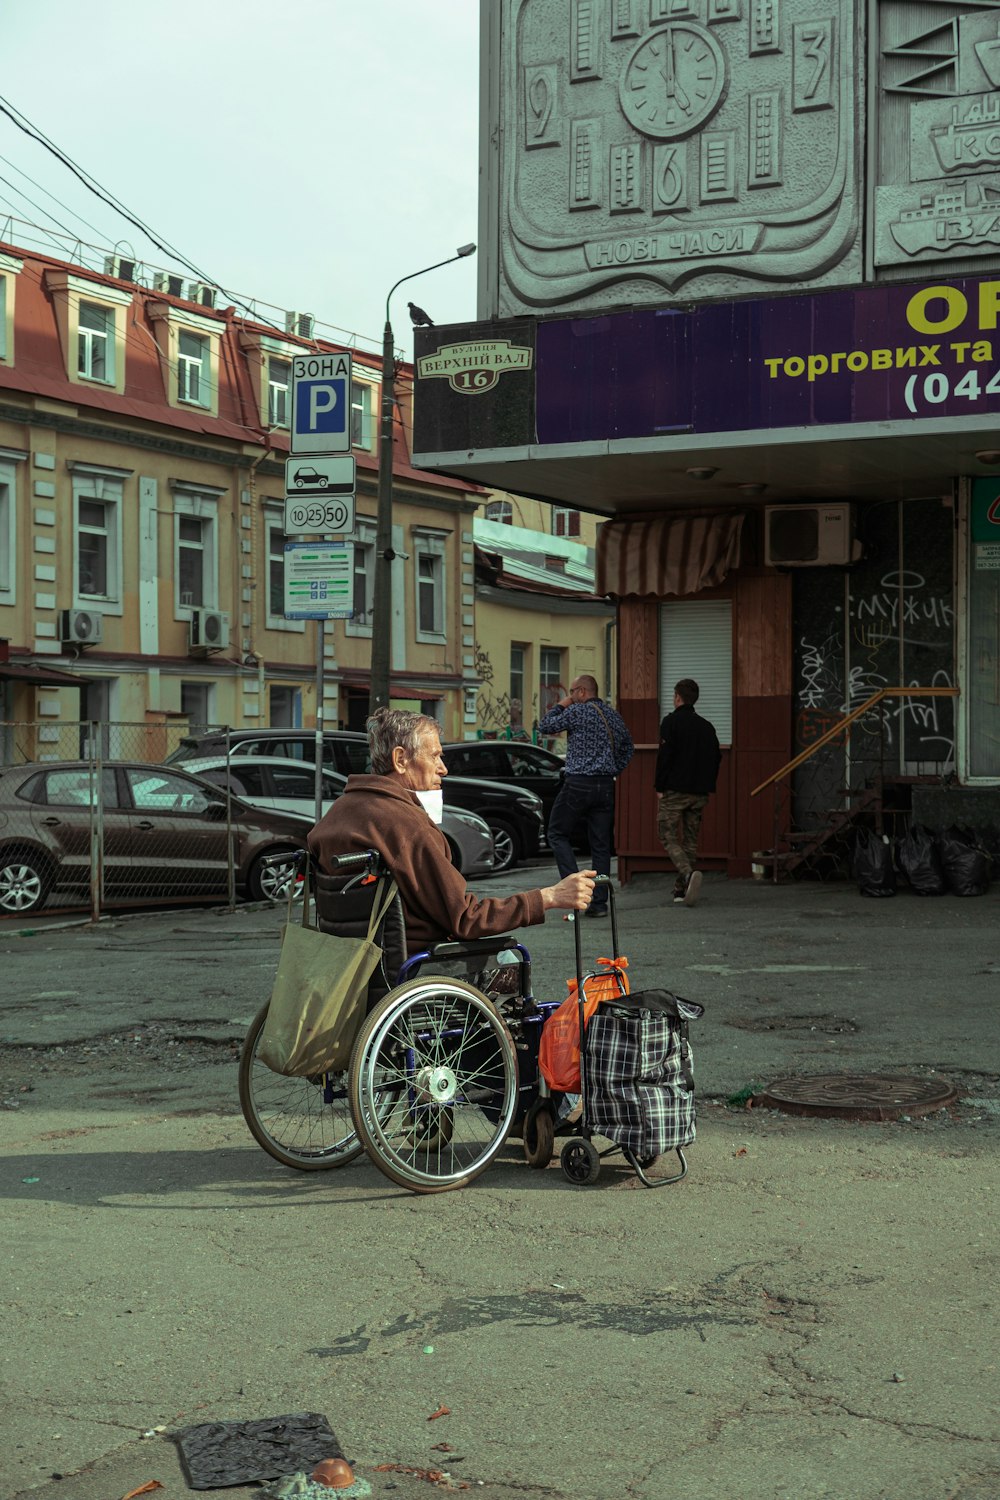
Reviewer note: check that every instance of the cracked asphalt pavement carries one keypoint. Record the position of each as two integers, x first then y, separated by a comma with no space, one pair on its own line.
809,1315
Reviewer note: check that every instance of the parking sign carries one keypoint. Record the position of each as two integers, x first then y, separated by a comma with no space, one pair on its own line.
321,403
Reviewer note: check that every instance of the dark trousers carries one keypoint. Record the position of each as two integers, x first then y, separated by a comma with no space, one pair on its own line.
588,800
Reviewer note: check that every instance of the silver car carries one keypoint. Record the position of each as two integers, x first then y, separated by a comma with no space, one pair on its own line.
276,784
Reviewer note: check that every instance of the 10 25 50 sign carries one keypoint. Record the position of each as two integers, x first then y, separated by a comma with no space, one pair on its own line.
313,514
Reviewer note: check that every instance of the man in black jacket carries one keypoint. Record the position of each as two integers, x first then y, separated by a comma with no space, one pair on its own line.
687,768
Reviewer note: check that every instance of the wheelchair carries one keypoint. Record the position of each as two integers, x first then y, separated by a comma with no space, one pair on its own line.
442,1071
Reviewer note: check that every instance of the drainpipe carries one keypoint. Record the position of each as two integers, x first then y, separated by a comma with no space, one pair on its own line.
251,582
609,631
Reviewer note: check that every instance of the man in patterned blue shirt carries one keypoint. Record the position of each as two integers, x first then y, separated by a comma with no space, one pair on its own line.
598,748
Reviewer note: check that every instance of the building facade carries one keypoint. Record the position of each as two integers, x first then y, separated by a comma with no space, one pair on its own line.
143,444
739,298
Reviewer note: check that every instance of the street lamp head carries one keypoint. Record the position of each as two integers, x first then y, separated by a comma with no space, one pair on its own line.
464,250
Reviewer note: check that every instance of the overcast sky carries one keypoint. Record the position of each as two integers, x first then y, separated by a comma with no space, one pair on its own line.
306,154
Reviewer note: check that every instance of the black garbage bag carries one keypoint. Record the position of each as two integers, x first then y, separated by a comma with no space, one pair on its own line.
873,867
919,860
966,866
988,839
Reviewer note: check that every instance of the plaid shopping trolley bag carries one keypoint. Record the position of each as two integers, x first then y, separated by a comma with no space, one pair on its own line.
639,1073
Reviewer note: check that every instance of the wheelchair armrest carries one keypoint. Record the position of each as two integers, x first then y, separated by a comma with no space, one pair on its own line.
473,946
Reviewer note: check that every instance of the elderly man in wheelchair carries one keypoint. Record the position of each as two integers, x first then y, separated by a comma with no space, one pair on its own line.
442,1068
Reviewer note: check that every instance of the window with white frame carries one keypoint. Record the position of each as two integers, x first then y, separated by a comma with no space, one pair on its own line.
196,552
274,526
95,342
364,579
550,678
193,364
565,522
198,704
518,653
429,555
284,706
97,513
500,510
361,415
8,533
279,379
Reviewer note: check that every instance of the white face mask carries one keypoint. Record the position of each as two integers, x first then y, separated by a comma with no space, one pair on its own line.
432,804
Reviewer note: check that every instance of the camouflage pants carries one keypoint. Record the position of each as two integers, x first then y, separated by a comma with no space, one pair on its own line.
678,824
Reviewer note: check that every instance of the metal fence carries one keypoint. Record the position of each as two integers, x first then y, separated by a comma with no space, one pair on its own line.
91,818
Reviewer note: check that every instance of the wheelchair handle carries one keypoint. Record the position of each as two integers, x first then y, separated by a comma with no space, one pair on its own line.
369,860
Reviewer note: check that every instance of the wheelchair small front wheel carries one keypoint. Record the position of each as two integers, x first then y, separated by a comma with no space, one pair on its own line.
539,1135
433,1084
302,1122
580,1160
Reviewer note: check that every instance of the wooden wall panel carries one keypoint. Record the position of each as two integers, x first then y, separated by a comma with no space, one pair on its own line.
762,613
638,649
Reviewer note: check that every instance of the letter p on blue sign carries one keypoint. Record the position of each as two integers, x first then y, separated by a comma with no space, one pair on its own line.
321,404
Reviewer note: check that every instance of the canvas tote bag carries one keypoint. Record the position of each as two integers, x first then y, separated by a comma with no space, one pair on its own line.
318,1001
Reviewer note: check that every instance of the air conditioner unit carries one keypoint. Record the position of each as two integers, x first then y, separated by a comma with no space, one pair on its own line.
301,324
209,632
120,266
82,627
809,536
172,285
199,292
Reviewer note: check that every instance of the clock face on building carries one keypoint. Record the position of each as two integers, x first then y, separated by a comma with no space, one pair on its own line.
674,81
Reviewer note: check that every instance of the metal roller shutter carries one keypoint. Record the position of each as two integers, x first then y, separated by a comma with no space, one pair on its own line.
696,640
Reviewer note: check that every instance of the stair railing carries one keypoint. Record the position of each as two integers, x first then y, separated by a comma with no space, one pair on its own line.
840,730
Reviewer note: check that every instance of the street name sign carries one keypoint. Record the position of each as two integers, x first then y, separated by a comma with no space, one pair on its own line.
319,580
321,403
319,494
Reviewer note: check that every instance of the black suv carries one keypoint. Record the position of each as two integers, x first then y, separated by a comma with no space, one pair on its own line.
514,813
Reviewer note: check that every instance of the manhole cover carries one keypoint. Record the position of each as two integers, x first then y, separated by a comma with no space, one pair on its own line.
858,1096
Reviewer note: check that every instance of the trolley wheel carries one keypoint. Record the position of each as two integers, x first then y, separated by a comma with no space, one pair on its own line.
433,1084
301,1122
580,1160
539,1136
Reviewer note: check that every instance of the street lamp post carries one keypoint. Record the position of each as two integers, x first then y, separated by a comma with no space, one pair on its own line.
384,554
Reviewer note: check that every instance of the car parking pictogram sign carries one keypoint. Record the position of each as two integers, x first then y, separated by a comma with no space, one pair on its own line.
321,403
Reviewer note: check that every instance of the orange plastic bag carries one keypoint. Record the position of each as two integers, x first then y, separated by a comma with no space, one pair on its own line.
559,1048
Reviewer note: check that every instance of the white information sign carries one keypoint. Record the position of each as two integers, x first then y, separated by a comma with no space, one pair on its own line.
319,580
321,403
317,515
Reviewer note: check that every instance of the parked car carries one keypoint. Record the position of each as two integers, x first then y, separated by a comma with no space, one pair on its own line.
165,834
528,767
272,783
515,816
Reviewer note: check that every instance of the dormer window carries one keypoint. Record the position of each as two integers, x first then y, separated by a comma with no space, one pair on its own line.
192,369
279,379
96,342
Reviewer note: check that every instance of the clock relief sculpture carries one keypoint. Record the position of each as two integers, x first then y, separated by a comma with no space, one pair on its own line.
674,81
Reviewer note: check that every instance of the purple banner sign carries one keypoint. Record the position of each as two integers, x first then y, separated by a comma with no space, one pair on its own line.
870,355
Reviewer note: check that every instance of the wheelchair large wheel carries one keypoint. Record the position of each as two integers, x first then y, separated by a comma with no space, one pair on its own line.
301,1122
433,1084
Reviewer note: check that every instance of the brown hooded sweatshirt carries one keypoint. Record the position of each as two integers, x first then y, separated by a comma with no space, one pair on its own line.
376,812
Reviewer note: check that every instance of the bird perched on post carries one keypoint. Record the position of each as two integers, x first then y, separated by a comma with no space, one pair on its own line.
418,317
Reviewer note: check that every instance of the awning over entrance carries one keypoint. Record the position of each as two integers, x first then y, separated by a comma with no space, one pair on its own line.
38,676
667,555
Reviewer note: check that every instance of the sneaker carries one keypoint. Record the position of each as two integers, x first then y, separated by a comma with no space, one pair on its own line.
679,893
596,911
692,888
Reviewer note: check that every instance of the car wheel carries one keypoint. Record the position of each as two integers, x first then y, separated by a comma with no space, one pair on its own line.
506,844
456,854
25,882
269,882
